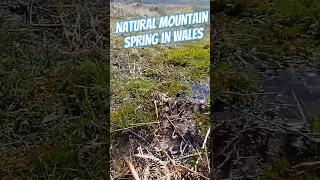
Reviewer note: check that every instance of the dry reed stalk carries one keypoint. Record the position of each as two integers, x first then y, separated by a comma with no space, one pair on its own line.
133,170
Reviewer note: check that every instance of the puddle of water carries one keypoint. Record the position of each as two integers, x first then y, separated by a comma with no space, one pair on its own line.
306,86
200,91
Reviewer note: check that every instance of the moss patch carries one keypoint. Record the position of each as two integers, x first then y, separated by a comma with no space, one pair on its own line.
193,61
170,71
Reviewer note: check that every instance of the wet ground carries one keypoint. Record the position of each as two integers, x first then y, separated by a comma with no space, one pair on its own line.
199,93
284,83
304,85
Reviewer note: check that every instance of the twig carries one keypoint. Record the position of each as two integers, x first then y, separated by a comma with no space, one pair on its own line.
136,125
43,168
300,108
252,94
176,129
207,158
133,171
244,61
226,160
206,138
23,54
187,156
306,110
167,176
30,12
153,158
22,29
307,165
62,5
155,105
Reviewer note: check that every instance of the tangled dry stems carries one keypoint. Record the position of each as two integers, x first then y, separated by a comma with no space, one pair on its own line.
243,143
158,160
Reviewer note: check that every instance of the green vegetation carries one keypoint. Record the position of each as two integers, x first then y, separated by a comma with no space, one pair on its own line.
53,102
226,79
169,69
60,94
280,168
139,75
201,121
193,61
264,36
274,27
168,72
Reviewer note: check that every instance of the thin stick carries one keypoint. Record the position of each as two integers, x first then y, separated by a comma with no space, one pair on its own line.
155,105
30,12
252,94
300,108
307,165
190,155
206,138
176,129
133,171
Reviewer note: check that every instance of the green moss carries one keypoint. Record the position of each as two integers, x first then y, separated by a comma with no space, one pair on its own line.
202,121
173,88
232,84
60,156
140,87
192,61
136,89
304,43
133,103
90,73
136,100
133,111
279,168
132,100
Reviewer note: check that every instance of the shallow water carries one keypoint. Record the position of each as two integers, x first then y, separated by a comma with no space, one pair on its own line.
305,85
200,91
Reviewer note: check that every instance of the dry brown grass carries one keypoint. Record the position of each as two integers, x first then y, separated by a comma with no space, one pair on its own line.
127,11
